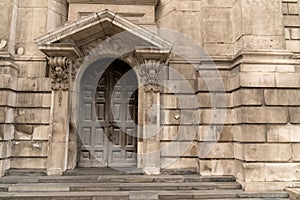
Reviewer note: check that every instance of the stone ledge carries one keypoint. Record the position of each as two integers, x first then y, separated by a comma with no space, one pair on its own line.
117,2
294,193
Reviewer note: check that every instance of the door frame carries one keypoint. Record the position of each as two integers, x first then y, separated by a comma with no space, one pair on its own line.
90,84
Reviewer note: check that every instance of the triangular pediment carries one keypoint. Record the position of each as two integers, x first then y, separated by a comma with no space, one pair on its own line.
76,38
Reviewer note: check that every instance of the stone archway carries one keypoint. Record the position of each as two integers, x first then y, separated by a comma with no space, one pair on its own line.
70,50
108,106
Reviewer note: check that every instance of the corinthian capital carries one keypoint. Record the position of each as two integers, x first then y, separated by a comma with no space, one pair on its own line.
59,72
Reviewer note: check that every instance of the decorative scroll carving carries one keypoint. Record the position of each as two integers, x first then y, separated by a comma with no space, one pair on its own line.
149,72
59,72
60,75
75,66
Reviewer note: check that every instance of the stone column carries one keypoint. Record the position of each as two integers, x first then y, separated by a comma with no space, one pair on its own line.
59,119
151,122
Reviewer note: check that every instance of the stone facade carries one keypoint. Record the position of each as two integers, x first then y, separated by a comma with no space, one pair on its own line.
233,110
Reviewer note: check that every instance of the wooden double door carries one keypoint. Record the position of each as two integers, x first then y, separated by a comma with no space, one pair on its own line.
108,127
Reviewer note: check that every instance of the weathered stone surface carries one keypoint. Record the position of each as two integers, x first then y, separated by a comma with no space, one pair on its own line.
216,150
265,152
283,133
29,163
263,115
179,163
177,148
41,133
249,133
296,150
294,115
32,115
217,167
256,79
29,149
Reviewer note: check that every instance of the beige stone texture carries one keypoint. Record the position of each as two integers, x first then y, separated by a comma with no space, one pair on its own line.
41,133
263,115
295,33
217,167
282,97
179,133
249,133
265,152
294,115
216,150
296,152
215,133
177,148
23,115
29,149
28,163
179,163
283,133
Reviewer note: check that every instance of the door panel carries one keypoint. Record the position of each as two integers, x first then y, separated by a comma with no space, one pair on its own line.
108,129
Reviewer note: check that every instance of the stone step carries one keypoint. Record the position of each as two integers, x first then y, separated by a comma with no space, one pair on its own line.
114,179
39,187
162,195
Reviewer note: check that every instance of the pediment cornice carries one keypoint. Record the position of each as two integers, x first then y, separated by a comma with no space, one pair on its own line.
77,38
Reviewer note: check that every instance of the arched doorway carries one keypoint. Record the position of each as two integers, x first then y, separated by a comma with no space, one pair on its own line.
108,115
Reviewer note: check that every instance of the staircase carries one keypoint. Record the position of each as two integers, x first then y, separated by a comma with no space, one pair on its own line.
35,185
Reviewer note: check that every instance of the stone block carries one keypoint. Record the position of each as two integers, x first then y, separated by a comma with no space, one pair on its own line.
41,133
182,71
185,117
217,167
287,133
187,102
265,152
215,49
250,133
285,8
294,115
220,116
32,69
216,150
256,79
215,19
180,86
293,9
254,172
169,101
263,115
33,100
29,163
212,84
179,163
291,20
295,33
34,84
263,41
293,45
287,80
277,172
287,33
251,96
7,132
4,165
24,128
296,152
276,97
215,133
238,151
266,186
29,149
267,19
181,133
177,148
32,115
5,149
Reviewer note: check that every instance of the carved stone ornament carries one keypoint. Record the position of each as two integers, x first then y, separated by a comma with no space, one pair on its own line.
75,66
149,72
59,72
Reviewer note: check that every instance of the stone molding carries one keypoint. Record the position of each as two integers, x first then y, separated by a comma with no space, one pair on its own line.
59,67
149,73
